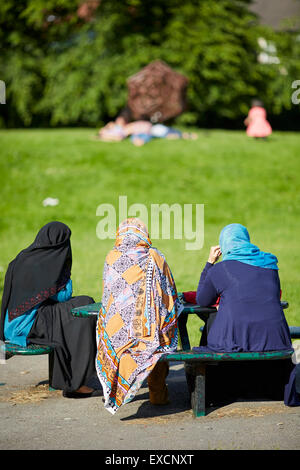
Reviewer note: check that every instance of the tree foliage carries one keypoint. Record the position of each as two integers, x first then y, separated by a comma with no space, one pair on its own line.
67,63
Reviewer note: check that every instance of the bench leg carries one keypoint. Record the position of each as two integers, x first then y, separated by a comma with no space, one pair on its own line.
50,368
183,333
195,377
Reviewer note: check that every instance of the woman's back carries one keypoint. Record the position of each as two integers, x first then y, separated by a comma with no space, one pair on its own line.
250,317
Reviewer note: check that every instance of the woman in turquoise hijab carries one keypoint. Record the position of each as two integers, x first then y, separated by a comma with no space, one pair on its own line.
250,316
235,245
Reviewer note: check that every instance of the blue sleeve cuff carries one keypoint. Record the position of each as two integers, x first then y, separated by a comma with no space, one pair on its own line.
64,294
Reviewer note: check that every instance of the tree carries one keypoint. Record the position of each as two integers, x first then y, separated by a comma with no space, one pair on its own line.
68,64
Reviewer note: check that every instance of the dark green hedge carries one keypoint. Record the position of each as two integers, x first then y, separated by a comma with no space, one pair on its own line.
62,70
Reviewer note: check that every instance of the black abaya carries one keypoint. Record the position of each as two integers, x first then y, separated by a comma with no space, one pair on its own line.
36,275
72,363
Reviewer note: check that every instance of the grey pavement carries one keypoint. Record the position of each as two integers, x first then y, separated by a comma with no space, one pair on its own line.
33,418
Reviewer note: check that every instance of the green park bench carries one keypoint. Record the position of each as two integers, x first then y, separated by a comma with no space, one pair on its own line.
9,350
195,363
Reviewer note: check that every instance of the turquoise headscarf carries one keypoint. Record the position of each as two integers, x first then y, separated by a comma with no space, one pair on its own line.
235,245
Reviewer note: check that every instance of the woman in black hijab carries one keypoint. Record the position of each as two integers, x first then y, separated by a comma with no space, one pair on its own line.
36,308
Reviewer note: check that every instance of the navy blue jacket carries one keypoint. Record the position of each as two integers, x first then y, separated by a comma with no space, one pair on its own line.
250,317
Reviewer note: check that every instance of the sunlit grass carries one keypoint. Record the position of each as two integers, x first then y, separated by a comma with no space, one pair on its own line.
252,182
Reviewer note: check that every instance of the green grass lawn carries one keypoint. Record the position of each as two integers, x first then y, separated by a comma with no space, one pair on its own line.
252,182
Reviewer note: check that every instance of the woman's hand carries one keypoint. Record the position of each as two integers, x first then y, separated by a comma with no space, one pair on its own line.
214,254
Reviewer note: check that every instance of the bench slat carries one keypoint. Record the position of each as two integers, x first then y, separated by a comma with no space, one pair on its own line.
192,356
30,350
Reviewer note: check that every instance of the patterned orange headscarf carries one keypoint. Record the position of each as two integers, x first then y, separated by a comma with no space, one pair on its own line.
137,321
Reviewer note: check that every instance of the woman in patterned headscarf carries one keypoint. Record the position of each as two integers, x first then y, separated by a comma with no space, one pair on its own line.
137,321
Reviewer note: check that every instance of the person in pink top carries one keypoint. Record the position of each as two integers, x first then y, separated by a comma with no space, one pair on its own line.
256,121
